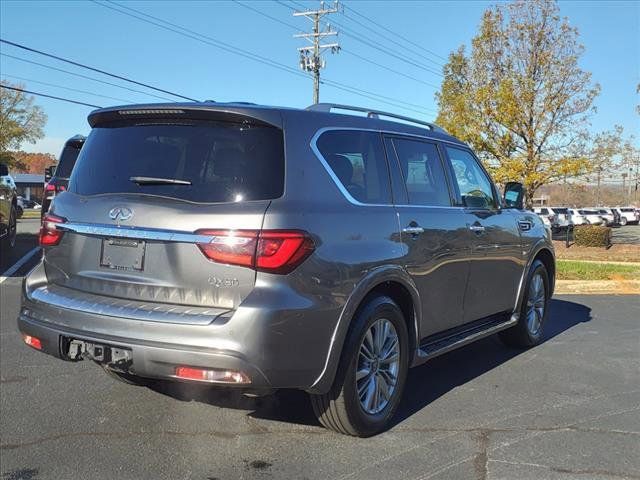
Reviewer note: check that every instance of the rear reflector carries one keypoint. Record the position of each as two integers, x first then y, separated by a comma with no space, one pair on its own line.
210,375
32,341
274,251
49,234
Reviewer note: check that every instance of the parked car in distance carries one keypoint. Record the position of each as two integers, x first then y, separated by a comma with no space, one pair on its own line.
57,176
28,203
592,217
260,248
607,216
563,217
556,218
548,217
628,215
8,209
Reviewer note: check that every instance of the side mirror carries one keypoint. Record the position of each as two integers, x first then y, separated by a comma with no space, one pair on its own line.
4,170
48,172
514,193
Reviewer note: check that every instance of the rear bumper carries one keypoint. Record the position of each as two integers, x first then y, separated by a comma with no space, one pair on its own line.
276,346
149,360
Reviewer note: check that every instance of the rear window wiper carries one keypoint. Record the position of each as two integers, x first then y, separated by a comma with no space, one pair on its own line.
158,181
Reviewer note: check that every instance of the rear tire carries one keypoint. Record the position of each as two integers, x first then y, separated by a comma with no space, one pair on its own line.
623,221
357,403
528,332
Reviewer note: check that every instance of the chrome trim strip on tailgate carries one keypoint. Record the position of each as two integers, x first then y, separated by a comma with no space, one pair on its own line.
117,307
101,230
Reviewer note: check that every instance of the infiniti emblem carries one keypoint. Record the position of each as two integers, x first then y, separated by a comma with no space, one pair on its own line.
120,213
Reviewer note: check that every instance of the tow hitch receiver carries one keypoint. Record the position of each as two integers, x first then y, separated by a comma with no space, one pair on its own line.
115,357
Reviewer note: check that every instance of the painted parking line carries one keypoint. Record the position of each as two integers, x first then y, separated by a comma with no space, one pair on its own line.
16,266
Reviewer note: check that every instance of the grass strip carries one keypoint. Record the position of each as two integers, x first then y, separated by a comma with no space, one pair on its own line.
577,270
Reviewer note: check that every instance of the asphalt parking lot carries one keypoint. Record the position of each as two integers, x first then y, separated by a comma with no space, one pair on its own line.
568,409
26,241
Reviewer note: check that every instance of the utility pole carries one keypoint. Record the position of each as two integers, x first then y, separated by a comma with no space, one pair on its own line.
311,55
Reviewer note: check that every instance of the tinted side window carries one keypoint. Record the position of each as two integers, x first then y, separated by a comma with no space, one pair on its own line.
358,161
423,172
473,183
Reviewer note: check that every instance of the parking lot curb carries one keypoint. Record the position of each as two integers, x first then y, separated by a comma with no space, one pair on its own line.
597,287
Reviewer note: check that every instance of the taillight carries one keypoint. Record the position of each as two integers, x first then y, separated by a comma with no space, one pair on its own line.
53,189
212,375
32,341
274,251
49,234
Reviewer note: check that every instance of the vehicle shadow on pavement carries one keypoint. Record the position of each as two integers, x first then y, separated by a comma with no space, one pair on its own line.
435,378
425,384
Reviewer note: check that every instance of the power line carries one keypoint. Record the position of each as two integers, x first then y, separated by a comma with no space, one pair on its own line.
390,39
342,49
49,96
83,76
180,30
390,69
275,19
67,88
410,42
359,37
77,64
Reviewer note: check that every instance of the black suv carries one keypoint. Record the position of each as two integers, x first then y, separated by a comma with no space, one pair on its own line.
57,177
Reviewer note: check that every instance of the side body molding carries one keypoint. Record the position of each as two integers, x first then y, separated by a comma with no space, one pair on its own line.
373,278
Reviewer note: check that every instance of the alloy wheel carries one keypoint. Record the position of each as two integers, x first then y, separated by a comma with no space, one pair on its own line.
536,304
378,366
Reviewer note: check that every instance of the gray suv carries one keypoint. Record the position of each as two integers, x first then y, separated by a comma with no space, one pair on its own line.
263,248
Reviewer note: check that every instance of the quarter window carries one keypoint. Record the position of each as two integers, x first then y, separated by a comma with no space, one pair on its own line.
358,161
422,172
473,182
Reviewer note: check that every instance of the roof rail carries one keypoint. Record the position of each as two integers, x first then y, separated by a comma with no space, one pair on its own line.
327,107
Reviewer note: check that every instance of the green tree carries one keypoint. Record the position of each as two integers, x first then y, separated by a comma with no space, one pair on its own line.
520,98
20,121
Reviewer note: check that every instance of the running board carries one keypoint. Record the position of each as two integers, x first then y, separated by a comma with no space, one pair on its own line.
431,349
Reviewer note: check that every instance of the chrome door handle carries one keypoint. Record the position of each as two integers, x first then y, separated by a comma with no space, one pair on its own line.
476,228
413,230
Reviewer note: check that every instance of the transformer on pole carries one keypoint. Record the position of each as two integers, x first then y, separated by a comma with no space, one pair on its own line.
311,55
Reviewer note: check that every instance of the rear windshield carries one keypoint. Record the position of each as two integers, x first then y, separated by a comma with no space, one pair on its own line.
67,161
210,161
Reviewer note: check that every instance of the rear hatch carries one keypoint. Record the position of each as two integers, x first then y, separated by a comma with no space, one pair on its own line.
147,191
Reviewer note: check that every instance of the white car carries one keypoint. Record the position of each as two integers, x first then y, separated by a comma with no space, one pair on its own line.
556,218
563,217
547,215
577,218
592,217
628,215
607,215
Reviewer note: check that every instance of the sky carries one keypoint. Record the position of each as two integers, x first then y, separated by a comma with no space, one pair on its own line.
90,33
